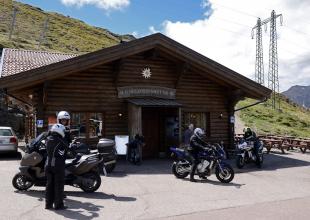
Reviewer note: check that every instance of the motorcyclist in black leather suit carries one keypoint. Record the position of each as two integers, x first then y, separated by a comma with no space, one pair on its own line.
197,144
57,148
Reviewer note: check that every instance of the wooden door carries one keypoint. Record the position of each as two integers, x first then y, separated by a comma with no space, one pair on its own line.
150,129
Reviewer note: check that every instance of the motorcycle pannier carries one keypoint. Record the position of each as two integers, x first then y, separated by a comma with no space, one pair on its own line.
105,145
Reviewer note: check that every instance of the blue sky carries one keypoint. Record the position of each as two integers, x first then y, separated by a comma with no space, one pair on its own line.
137,17
223,35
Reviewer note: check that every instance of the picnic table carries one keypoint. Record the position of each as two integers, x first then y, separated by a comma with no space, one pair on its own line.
270,143
304,145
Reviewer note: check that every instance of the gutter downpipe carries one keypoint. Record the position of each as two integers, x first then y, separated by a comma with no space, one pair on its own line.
248,106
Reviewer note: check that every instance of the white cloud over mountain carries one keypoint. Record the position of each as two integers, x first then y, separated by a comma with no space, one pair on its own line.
104,4
225,36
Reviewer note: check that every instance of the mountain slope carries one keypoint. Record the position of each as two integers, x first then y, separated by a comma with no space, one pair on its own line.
64,34
290,120
299,95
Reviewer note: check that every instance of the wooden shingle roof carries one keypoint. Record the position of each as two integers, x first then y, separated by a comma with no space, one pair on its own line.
15,61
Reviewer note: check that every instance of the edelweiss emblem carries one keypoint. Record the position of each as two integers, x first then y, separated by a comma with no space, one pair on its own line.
146,73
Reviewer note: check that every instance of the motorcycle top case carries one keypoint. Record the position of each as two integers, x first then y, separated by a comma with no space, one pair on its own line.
106,145
31,159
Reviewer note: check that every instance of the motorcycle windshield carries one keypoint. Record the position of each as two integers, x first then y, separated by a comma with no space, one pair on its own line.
38,140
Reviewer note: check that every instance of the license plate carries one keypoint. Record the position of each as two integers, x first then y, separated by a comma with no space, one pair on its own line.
4,141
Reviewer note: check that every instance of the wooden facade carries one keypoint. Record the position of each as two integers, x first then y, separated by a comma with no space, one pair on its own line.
81,85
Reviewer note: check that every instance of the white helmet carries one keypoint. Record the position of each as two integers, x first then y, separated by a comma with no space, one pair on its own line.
63,115
59,129
198,132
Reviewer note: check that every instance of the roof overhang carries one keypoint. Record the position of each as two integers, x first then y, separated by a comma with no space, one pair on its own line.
207,66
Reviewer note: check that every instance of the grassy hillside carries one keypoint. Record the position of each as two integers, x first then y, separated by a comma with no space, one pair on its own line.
290,120
64,34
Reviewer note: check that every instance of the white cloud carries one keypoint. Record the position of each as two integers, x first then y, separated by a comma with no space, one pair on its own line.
153,30
226,37
104,4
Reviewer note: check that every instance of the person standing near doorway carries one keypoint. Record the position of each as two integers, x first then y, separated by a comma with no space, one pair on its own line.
188,134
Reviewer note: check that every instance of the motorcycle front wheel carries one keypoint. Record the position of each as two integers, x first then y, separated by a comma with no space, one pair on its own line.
240,161
21,182
91,182
226,174
178,170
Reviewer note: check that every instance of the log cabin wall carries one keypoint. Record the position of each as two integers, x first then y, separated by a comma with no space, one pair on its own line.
95,90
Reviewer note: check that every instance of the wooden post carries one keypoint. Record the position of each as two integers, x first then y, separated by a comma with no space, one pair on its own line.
135,123
180,126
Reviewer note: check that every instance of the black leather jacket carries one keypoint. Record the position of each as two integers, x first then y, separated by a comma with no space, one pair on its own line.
197,144
56,148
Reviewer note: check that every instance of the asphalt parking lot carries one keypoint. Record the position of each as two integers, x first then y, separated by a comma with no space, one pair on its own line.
281,190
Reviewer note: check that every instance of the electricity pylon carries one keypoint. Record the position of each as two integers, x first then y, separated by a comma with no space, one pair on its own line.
259,62
273,77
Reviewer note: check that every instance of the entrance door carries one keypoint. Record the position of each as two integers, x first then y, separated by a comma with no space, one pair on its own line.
151,132
160,128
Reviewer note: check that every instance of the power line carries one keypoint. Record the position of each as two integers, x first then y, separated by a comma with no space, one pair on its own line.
236,10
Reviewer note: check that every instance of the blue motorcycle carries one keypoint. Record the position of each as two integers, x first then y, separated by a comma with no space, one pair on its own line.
210,160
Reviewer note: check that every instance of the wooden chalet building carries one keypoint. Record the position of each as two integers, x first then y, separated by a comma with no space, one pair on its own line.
153,86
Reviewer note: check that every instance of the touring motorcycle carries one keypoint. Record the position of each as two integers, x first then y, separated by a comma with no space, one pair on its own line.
246,153
210,160
82,171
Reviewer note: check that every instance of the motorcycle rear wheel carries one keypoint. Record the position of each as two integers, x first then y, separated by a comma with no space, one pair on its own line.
21,182
176,171
227,174
91,182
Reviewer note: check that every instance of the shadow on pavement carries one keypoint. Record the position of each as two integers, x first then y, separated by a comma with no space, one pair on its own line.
78,209
215,182
163,166
100,195
10,156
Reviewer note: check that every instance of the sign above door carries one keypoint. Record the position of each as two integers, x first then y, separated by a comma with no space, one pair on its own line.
146,91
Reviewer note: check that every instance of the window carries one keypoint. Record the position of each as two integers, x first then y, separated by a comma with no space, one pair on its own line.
87,124
6,132
95,124
198,119
78,124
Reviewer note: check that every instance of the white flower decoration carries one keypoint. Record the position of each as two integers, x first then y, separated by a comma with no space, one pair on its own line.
146,73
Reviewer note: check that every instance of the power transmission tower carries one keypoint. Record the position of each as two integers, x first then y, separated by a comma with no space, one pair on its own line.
42,36
13,22
273,77
259,62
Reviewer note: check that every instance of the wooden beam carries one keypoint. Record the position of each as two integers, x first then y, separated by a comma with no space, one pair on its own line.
118,65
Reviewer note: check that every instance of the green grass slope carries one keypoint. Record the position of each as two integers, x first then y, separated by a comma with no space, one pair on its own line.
290,120
64,34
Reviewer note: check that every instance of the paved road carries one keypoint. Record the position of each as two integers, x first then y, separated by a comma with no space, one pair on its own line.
281,190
